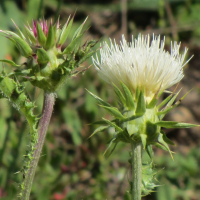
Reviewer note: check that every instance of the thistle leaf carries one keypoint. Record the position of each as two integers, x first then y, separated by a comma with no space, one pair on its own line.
65,32
19,31
114,112
172,124
131,118
79,29
73,46
161,140
159,146
144,140
42,56
102,102
112,125
141,105
99,129
166,139
149,151
119,94
22,45
9,62
31,36
128,96
50,42
40,35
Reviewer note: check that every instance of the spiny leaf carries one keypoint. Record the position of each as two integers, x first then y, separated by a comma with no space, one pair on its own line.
40,35
172,124
73,46
101,122
112,124
159,146
42,56
9,62
161,140
50,42
19,31
119,94
114,111
131,118
99,129
102,102
144,140
65,32
128,96
30,35
23,47
109,145
79,29
141,105
169,104
166,139
149,151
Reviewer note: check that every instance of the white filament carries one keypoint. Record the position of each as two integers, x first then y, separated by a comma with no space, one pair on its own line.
141,63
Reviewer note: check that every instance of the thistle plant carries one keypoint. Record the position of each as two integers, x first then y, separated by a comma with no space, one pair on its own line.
48,67
140,71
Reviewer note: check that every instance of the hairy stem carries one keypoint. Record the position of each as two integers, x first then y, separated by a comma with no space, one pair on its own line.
49,100
136,171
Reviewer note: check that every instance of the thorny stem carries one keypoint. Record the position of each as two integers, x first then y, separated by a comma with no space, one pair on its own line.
49,100
136,171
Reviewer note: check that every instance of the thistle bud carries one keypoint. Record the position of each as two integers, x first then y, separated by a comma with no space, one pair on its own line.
47,66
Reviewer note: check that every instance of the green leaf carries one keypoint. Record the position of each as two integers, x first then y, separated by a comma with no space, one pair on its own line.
99,129
141,105
9,62
159,146
50,42
144,140
109,145
128,96
23,47
149,151
113,125
41,36
153,102
42,56
114,112
79,29
30,35
19,31
131,118
172,124
102,102
65,32
169,103
161,140
119,94
86,56
73,46
166,139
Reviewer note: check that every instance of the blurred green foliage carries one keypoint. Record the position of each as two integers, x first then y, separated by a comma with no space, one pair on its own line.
72,167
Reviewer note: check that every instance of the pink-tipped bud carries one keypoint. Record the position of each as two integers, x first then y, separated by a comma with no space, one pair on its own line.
45,28
35,28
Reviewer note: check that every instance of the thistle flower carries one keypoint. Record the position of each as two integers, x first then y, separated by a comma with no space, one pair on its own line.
140,72
142,64
47,66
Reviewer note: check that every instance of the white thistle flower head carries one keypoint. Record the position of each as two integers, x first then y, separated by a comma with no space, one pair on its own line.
141,63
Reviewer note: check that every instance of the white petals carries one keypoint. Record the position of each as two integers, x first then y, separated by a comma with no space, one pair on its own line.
141,63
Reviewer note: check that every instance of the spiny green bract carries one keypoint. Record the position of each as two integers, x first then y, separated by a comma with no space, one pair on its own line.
47,66
14,92
139,121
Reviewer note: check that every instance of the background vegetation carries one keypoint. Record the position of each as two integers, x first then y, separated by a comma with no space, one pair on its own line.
72,167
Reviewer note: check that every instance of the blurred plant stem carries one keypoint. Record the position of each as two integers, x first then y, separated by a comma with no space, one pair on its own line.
136,170
49,100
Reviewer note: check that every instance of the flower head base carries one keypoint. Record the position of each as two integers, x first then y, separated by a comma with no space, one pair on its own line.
141,63
47,66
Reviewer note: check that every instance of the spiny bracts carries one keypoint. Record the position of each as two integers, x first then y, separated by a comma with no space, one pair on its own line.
47,65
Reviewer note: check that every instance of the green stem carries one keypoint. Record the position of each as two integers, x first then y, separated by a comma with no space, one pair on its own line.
136,171
49,100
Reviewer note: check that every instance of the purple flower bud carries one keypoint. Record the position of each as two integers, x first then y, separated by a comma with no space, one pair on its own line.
34,28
